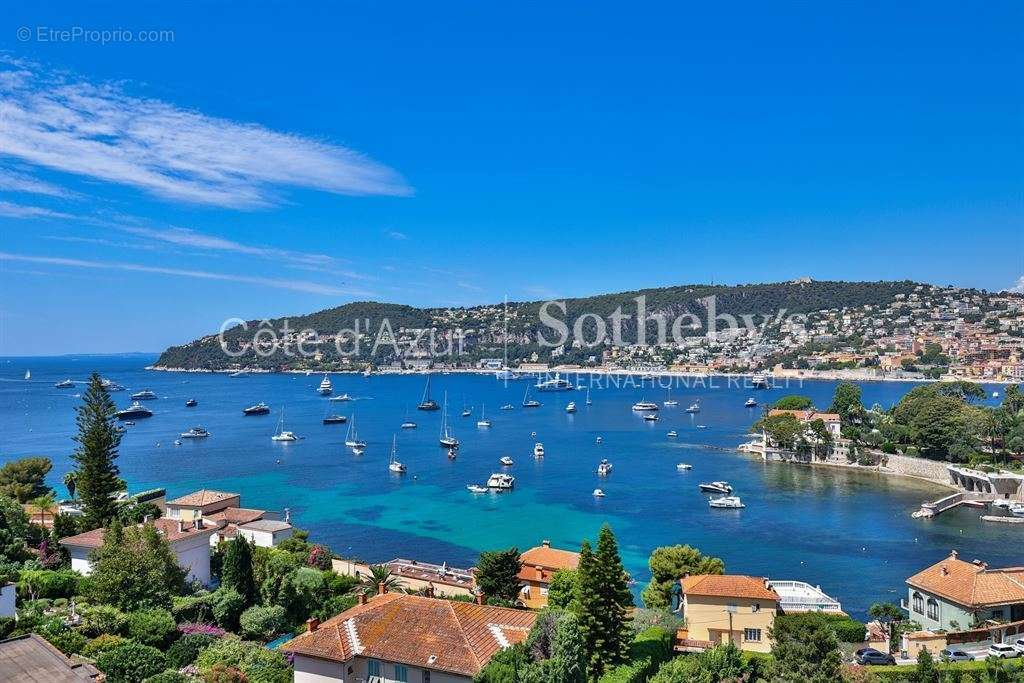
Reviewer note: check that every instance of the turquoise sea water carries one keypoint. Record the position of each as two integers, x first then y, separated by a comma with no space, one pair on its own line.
850,532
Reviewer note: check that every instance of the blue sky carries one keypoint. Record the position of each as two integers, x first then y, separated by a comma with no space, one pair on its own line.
275,159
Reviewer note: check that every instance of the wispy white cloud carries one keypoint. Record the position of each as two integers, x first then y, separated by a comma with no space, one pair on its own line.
396,235
12,210
278,283
102,132
469,286
13,181
1018,286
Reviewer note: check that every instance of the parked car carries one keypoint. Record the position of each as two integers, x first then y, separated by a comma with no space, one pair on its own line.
949,655
1019,645
870,655
1003,651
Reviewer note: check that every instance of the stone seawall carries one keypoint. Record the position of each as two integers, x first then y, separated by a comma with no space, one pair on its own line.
934,470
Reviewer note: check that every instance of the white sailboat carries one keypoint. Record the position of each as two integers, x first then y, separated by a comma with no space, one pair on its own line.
352,436
530,402
28,374
669,401
589,402
483,421
282,434
446,438
393,464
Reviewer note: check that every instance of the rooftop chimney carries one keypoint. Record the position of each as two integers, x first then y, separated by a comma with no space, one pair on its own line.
944,570
481,598
181,526
362,598
381,588
546,543
147,519
312,624
953,554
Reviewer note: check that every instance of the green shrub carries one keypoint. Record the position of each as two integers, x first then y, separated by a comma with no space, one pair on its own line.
196,608
45,583
101,619
102,643
169,676
634,672
131,663
262,623
67,640
336,605
154,627
252,659
186,649
847,630
228,606
654,644
7,626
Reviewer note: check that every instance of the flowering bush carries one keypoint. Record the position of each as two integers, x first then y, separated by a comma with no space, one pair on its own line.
206,629
319,557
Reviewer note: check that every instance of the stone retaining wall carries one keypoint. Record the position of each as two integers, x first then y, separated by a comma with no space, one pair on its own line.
917,467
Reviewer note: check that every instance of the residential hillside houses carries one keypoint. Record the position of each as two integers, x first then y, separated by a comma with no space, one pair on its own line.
416,576
407,638
539,565
722,608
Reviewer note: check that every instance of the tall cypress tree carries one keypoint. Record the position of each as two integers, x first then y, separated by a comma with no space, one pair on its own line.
97,477
236,572
604,602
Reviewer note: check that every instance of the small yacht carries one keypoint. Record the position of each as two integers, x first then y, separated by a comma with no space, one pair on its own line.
598,493
195,433
237,373
359,449
177,442
446,438
599,440
352,436
466,410
136,409
408,424
282,434
476,488
538,450
335,419
727,502
1017,509
506,461
751,403
555,384
258,409
530,402
191,403
716,487
641,406
683,466
501,481
669,401
340,397
588,401
604,468
651,417
452,453
505,374
672,434
702,426
325,387
1004,503
483,421
508,406
110,385
427,403
144,395
694,407
393,464
65,384
759,380
571,408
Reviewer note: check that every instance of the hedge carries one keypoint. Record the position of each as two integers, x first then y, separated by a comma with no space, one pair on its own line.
898,673
847,630
648,651
45,583
634,672
131,663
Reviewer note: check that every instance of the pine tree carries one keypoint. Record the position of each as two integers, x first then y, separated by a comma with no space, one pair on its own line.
236,573
97,480
604,600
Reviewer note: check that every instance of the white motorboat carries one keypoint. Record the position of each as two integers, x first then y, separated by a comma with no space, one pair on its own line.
598,493
483,421
177,442
508,406
716,487
694,407
340,397
195,433
476,488
555,384
727,502
538,450
672,434
352,439
110,385
452,453
144,395
359,450
599,440
446,438
759,380
65,384
136,409
683,466
284,435
702,426
571,407
1004,503
604,468
325,387
393,464
506,461
651,417
1017,509
501,481
641,406
751,403
408,424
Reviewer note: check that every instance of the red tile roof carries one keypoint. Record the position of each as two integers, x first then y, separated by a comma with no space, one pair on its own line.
168,528
201,498
728,586
236,515
431,633
970,584
548,558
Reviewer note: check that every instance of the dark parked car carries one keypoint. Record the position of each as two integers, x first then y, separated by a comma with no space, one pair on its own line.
870,655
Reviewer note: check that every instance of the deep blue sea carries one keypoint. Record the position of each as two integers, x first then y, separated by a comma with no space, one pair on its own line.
850,532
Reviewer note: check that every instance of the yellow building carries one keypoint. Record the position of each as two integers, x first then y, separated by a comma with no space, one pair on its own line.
723,608
539,565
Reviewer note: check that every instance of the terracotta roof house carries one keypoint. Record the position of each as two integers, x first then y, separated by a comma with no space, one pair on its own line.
189,541
224,511
832,420
539,565
202,503
417,576
400,637
30,659
953,594
719,608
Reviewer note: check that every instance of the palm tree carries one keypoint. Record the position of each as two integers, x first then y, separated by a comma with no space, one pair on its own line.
379,574
45,504
70,482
